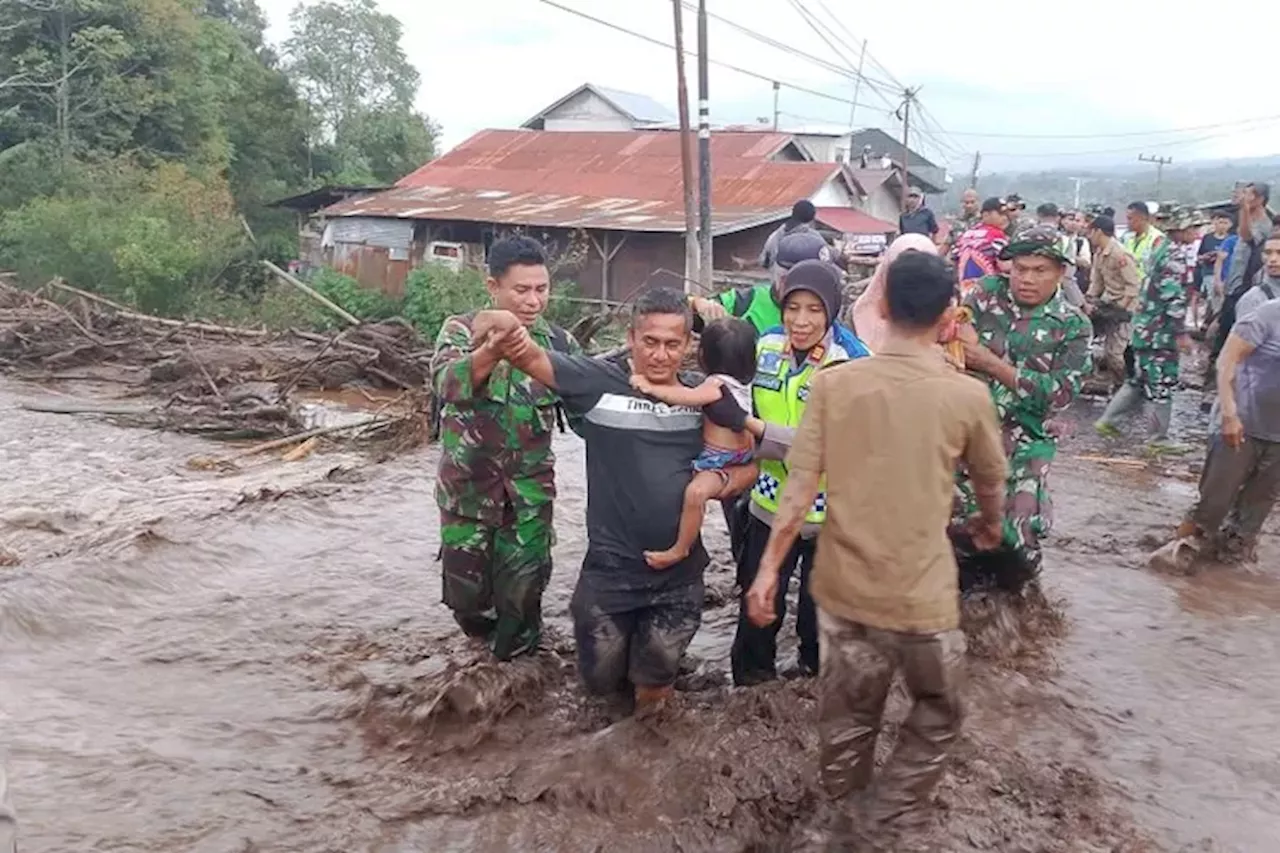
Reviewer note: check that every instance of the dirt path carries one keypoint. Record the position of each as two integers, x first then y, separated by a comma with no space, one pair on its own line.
257,661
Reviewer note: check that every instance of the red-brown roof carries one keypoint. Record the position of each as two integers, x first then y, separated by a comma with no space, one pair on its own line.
627,181
850,221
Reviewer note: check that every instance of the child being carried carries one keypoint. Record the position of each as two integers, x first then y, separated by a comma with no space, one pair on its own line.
727,354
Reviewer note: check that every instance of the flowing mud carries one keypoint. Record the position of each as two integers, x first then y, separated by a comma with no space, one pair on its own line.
256,660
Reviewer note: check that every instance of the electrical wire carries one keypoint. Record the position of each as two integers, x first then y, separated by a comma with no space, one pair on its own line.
1121,135
728,66
1129,150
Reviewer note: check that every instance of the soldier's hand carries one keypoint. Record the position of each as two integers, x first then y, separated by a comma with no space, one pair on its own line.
1184,343
488,322
760,599
516,345
987,534
1232,431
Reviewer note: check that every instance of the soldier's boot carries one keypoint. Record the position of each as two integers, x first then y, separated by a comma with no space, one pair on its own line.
1127,399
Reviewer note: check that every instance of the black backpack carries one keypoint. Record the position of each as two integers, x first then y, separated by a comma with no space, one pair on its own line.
559,343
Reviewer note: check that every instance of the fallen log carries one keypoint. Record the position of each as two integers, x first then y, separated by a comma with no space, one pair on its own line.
300,285
82,407
276,444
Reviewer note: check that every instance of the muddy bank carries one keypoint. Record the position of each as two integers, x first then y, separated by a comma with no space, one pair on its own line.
257,660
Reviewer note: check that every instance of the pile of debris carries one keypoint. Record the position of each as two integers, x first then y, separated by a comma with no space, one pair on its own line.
219,381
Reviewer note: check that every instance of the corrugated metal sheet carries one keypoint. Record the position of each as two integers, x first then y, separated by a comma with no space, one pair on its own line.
850,221
372,231
640,107
547,210
624,181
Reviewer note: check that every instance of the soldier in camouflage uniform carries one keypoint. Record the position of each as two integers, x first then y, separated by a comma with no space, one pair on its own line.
1032,349
1159,334
496,481
970,216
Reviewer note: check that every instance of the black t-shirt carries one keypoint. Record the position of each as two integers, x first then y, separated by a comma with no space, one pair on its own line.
639,460
1204,269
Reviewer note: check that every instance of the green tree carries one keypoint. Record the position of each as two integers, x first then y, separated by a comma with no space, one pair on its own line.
359,87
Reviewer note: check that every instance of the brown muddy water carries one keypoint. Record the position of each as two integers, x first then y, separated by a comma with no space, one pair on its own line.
258,661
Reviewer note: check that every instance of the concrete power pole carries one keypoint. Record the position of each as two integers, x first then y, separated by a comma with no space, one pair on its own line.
706,258
1077,182
686,156
908,96
973,176
777,88
1160,162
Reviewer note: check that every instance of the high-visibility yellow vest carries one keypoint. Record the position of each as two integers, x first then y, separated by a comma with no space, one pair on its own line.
779,393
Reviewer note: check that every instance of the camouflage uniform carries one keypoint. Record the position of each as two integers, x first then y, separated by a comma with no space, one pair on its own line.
959,225
1158,322
495,489
1049,344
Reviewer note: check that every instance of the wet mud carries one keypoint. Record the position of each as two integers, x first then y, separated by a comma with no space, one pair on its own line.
256,660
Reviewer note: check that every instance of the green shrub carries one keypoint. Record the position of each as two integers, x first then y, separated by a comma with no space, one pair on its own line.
435,292
365,303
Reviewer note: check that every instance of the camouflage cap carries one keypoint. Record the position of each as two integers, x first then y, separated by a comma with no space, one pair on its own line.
1180,218
1042,240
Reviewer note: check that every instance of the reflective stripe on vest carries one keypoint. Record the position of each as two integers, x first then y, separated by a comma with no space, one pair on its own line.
779,395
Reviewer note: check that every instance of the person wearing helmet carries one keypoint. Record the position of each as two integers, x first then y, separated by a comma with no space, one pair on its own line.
1032,349
1159,335
761,305
788,357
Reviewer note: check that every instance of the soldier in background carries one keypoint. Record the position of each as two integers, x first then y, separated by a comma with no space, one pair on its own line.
496,481
1016,209
970,216
1159,335
1032,349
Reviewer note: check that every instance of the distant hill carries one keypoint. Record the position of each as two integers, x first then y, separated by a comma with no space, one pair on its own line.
1189,183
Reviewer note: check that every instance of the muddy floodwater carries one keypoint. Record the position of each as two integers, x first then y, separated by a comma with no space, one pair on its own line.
257,660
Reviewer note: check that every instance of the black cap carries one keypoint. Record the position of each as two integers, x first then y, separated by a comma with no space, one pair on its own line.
803,211
1263,189
993,205
820,278
801,245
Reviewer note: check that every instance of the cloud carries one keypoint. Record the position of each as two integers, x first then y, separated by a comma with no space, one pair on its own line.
1092,67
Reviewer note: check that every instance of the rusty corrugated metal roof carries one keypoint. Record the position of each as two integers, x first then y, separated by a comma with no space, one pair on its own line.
628,181
851,221
547,210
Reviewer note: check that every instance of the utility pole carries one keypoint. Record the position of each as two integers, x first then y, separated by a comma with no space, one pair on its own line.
686,156
1160,162
973,175
777,87
908,95
857,88
1078,182
705,256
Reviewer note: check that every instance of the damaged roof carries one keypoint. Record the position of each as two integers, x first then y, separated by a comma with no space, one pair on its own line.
626,181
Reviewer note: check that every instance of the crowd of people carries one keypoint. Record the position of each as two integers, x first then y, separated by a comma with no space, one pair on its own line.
942,387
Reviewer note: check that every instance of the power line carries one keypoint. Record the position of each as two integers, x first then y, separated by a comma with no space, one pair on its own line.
660,43
785,48
1129,150
1129,134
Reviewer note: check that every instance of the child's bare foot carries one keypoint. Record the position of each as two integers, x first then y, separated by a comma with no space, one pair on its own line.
660,560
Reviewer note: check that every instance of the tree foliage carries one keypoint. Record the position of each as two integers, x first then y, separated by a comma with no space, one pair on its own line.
141,141
345,58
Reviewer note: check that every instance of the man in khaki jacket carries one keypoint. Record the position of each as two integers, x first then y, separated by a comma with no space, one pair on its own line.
1113,295
885,578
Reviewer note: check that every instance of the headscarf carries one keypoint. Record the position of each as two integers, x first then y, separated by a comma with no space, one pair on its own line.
868,322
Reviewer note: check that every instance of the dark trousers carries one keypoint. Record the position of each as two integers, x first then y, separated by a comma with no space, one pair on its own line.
1226,319
755,650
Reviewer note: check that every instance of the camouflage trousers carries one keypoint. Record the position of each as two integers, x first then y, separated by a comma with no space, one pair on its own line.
494,576
858,664
1028,517
1156,372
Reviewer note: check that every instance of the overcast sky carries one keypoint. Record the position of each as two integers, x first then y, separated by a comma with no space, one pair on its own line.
1088,68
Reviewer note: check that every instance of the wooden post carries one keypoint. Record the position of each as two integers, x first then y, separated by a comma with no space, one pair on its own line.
686,155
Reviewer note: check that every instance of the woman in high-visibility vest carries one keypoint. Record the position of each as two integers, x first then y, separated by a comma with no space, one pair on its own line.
787,357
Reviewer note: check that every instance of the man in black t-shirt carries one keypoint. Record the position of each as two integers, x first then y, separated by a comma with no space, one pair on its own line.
631,623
